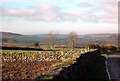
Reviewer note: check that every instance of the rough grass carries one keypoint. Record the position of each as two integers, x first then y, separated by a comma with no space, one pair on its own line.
105,55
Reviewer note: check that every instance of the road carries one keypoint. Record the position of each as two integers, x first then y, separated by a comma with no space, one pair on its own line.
113,67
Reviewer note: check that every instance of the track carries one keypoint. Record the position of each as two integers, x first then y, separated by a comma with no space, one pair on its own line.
113,66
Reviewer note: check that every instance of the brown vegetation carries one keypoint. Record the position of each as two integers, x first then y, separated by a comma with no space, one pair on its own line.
10,43
104,47
18,70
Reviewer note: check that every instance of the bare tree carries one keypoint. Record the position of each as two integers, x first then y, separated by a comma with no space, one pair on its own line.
10,43
52,39
36,44
72,40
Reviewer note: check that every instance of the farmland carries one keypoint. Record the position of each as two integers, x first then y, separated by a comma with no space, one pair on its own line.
44,61
29,39
18,64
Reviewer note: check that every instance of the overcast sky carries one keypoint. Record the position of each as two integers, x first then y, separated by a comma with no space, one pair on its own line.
63,16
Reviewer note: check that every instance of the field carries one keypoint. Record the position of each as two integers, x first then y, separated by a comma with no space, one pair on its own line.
19,64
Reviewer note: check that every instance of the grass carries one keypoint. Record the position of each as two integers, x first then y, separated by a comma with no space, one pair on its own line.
64,63
44,78
48,78
105,55
18,51
8,51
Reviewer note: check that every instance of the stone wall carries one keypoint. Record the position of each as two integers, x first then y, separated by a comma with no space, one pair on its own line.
89,67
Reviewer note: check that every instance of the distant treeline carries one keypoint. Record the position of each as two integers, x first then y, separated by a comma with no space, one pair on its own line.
21,48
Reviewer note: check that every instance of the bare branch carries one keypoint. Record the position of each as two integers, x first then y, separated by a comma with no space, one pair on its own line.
72,40
52,40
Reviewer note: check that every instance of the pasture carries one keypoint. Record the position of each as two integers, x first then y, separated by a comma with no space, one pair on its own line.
27,64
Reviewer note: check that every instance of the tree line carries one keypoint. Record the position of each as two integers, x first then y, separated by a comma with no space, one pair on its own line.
52,41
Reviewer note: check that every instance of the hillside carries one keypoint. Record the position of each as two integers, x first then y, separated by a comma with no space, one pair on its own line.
111,38
89,38
18,38
9,34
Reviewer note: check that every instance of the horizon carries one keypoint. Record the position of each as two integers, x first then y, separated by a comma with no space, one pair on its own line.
58,33
62,16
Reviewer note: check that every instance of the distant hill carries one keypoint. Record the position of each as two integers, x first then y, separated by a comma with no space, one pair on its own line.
18,38
96,38
45,35
111,38
8,33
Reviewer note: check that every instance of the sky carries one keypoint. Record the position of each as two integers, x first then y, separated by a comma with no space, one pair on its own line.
62,16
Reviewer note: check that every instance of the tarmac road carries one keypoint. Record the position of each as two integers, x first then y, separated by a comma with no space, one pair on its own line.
113,66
